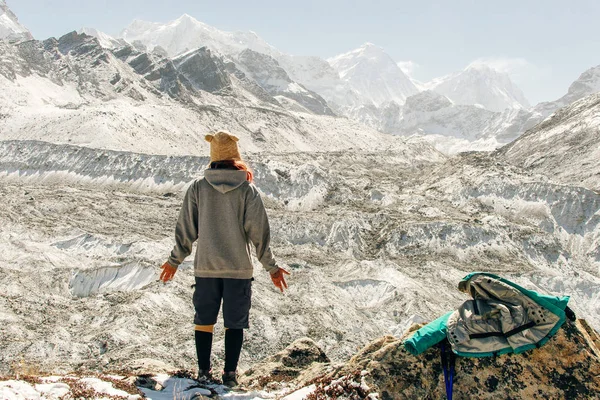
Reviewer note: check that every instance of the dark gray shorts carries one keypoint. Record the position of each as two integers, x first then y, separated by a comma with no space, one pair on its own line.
236,295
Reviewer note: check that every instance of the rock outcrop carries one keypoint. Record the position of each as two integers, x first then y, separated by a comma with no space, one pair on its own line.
294,363
567,367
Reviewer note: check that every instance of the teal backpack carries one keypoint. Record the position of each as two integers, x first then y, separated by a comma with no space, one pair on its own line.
502,317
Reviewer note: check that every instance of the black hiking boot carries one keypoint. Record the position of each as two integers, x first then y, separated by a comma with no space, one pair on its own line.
204,376
230,379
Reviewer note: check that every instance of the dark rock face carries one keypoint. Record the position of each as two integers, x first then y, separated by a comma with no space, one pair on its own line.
142,64
78,44
264,69
566,367
203,71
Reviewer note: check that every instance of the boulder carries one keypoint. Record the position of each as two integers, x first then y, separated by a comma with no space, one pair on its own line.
294,363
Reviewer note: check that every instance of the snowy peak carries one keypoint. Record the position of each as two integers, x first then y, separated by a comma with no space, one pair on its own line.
10,28
187,33
480,84
374,75
369,50
138,27
106,41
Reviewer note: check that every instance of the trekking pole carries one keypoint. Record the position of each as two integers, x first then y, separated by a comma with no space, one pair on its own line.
448,361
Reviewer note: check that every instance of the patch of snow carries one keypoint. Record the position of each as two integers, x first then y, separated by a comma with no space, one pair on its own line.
300,394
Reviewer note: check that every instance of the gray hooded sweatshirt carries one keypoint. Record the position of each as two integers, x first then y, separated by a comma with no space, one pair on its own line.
225,213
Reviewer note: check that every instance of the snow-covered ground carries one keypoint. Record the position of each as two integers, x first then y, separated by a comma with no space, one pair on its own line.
372,242
165,387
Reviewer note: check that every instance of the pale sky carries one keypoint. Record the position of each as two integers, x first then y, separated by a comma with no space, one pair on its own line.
543,44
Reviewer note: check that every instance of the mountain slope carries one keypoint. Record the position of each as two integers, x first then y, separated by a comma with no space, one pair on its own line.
480,84
265,70
450,127
565,147
10,28
587,83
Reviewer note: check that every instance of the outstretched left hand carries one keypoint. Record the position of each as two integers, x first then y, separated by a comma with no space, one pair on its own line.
168,271
278,278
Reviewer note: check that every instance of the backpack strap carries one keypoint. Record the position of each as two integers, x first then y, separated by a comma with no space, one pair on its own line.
510,333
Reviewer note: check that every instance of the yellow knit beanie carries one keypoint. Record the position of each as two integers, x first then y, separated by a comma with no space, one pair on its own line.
223,146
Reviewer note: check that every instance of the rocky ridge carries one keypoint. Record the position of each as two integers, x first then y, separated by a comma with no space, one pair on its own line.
568,366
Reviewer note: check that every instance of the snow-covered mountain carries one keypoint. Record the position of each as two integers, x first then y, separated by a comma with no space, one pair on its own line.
476,109
72,90
365,84
374,75
10,28
587,83
185,33
478,84
565,147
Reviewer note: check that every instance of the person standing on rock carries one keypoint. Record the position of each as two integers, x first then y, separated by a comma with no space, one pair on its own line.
223,212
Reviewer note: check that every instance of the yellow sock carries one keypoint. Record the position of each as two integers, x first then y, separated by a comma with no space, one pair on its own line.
204,328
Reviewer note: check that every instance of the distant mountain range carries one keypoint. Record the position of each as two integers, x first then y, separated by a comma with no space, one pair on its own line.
71,90
478,108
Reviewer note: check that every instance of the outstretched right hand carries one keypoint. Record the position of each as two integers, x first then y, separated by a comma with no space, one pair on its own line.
168,271
278,278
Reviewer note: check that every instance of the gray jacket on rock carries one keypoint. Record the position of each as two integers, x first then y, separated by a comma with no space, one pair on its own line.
225,214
